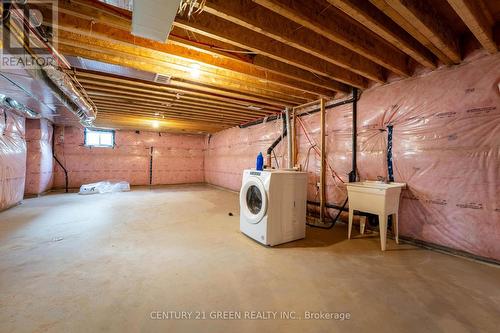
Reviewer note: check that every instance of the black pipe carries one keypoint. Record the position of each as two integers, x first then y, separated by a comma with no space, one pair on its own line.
334,221
327,205
58,162
278,139
353,173
354,99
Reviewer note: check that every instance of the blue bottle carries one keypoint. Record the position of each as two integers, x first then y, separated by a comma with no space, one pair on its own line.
260,162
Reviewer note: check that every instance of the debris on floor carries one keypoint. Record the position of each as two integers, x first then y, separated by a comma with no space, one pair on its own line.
104,187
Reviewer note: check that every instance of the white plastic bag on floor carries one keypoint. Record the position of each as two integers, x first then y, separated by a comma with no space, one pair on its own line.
104,187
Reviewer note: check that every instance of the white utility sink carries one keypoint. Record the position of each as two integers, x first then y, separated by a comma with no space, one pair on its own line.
378,198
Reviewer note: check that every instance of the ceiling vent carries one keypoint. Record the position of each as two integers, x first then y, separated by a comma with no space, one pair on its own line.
152,19
163,79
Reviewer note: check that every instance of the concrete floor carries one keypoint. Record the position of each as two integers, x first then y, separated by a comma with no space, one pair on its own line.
72,263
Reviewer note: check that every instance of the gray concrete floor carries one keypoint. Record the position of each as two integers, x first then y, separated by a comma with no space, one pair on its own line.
103,263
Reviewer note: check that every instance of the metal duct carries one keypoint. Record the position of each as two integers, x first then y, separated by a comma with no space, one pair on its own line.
19,108
152,19
64,82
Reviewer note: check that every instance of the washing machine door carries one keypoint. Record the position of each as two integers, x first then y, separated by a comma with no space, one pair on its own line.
253,200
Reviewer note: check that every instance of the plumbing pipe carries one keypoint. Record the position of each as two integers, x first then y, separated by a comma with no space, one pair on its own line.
289,140
274,144
322,176
294,138
352,174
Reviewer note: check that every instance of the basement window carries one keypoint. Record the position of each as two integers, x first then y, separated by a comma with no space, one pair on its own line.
99,138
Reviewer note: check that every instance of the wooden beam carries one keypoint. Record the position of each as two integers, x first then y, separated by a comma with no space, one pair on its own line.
334,25
410,29
248,14
135,85
214,27
473,15
375,20
423,16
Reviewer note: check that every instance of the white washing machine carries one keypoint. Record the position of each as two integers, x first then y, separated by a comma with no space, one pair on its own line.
273,205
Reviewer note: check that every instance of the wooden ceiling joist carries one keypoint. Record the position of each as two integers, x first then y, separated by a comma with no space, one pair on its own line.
135,85
92,22
477,20
172,125
248,14
166,106
180,69
70,26
151,109
214,27
104,92
341,30
423,16
213,46
104,89
121,59
375,20
165,114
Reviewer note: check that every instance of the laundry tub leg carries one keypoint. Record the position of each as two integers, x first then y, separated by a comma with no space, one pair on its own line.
351,213
382,222
395,227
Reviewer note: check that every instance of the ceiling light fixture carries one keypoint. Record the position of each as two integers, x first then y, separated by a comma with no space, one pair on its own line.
155,124
194,70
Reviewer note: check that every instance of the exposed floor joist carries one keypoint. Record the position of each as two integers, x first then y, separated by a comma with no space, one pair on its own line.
375,20
259,19
339,29
422,15
478,21
229,32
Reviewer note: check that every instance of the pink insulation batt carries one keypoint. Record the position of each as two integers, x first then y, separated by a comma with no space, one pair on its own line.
12,158
446,147
39,164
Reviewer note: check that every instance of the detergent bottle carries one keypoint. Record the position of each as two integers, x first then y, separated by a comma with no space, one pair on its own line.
260,162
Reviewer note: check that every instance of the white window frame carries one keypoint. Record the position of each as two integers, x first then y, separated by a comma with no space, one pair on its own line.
97,130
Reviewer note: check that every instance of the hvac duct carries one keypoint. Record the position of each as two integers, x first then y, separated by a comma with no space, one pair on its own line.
85,112
19,108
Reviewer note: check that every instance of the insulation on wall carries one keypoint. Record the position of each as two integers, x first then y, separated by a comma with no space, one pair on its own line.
446,147
177,158
12,158
39,164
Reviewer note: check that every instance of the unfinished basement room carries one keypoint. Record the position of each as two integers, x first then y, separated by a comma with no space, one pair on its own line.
250,166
